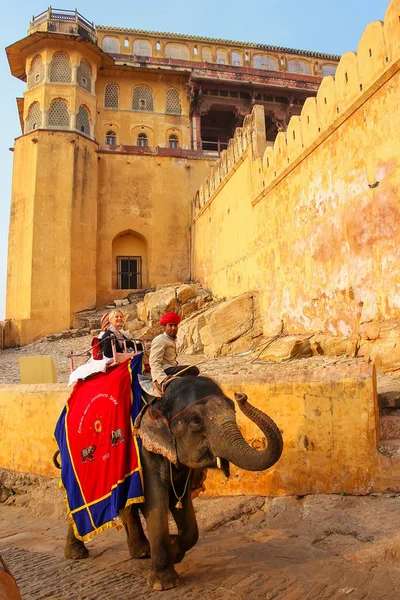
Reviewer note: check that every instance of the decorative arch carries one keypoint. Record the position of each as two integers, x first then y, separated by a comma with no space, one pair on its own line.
60,68
111,44
142,129
34,118
142,48
36,72
129,261
178,51
173,102
111,95
173,138
261,61
143,99
58,114
301,67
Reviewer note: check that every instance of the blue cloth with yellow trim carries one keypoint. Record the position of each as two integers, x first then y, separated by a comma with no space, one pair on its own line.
100,456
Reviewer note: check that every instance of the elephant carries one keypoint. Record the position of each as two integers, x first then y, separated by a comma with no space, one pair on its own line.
116,436
189,429
88,453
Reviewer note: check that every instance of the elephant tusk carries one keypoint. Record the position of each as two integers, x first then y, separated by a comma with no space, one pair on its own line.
218,462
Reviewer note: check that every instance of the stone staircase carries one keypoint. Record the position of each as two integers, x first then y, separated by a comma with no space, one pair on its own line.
389,424
90,319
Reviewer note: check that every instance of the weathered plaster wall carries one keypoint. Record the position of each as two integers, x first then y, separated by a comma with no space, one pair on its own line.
52,240
314,221
148,196
328,421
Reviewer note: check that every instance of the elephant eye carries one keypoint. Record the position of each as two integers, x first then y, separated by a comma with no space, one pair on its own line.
195,421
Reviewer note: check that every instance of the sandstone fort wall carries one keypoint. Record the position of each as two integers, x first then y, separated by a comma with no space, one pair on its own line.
313,222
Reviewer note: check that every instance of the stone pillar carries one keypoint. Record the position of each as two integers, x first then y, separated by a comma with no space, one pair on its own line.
47,71
74,73
72,121
45,122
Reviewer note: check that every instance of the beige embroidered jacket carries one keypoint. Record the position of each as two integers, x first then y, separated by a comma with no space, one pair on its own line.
162,355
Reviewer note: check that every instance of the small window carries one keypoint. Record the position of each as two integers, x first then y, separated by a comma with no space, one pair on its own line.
126,43
142,140
111,138
173,141
129,272
37,77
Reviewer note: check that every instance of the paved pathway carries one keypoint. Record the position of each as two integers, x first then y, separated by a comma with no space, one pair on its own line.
314,548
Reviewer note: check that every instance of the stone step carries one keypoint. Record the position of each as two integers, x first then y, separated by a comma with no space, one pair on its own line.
389,425
389,399
389,448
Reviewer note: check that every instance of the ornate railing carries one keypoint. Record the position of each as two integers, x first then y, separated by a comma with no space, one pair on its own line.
58,14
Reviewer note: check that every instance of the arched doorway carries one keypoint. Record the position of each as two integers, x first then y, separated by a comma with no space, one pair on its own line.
129,261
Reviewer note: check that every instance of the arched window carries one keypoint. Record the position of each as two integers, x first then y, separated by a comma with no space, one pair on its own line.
142,140
126,43
111,45
179,51
142,98
60,68
173,102
111,96
206,54
34,119
236,59
299,66
84,76
264,62
58,114
328,70
222,57
111,138
173,141
142,48
36,72
82,120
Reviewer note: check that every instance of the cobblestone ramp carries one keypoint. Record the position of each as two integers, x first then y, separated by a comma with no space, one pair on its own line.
41,575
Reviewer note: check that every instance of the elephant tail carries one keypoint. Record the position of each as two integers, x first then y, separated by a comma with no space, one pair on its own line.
55,459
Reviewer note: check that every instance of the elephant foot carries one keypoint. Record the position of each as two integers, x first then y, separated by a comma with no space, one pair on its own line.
76,550
164,580
140,549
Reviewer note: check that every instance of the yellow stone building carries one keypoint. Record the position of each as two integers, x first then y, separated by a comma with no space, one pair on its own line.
119,130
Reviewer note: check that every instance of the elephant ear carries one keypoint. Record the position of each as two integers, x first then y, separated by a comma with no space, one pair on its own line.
153,429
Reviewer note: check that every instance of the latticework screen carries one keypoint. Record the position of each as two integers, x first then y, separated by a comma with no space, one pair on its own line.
111,45
84,76
111,96
36,72
173,102
58,114
82,120
34,120
222,57
142,98
60,68
328,70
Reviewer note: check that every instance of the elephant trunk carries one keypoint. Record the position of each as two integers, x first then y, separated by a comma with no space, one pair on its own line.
227,441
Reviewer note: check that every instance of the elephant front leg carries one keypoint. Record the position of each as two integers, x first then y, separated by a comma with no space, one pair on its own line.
137,542
188,533
162,574
74,548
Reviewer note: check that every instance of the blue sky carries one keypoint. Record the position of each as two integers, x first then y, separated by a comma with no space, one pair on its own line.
332,27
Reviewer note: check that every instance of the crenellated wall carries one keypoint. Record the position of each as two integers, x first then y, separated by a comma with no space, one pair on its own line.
313,221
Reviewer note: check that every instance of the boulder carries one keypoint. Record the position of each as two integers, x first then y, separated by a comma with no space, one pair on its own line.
284,348
328,345
159,302
189,335
226,323
185,292
188,308
134,326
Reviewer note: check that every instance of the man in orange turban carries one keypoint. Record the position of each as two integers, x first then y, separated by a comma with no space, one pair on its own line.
163,354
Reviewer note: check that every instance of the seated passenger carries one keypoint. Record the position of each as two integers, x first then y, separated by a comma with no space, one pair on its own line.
97,353
163,363
114,333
